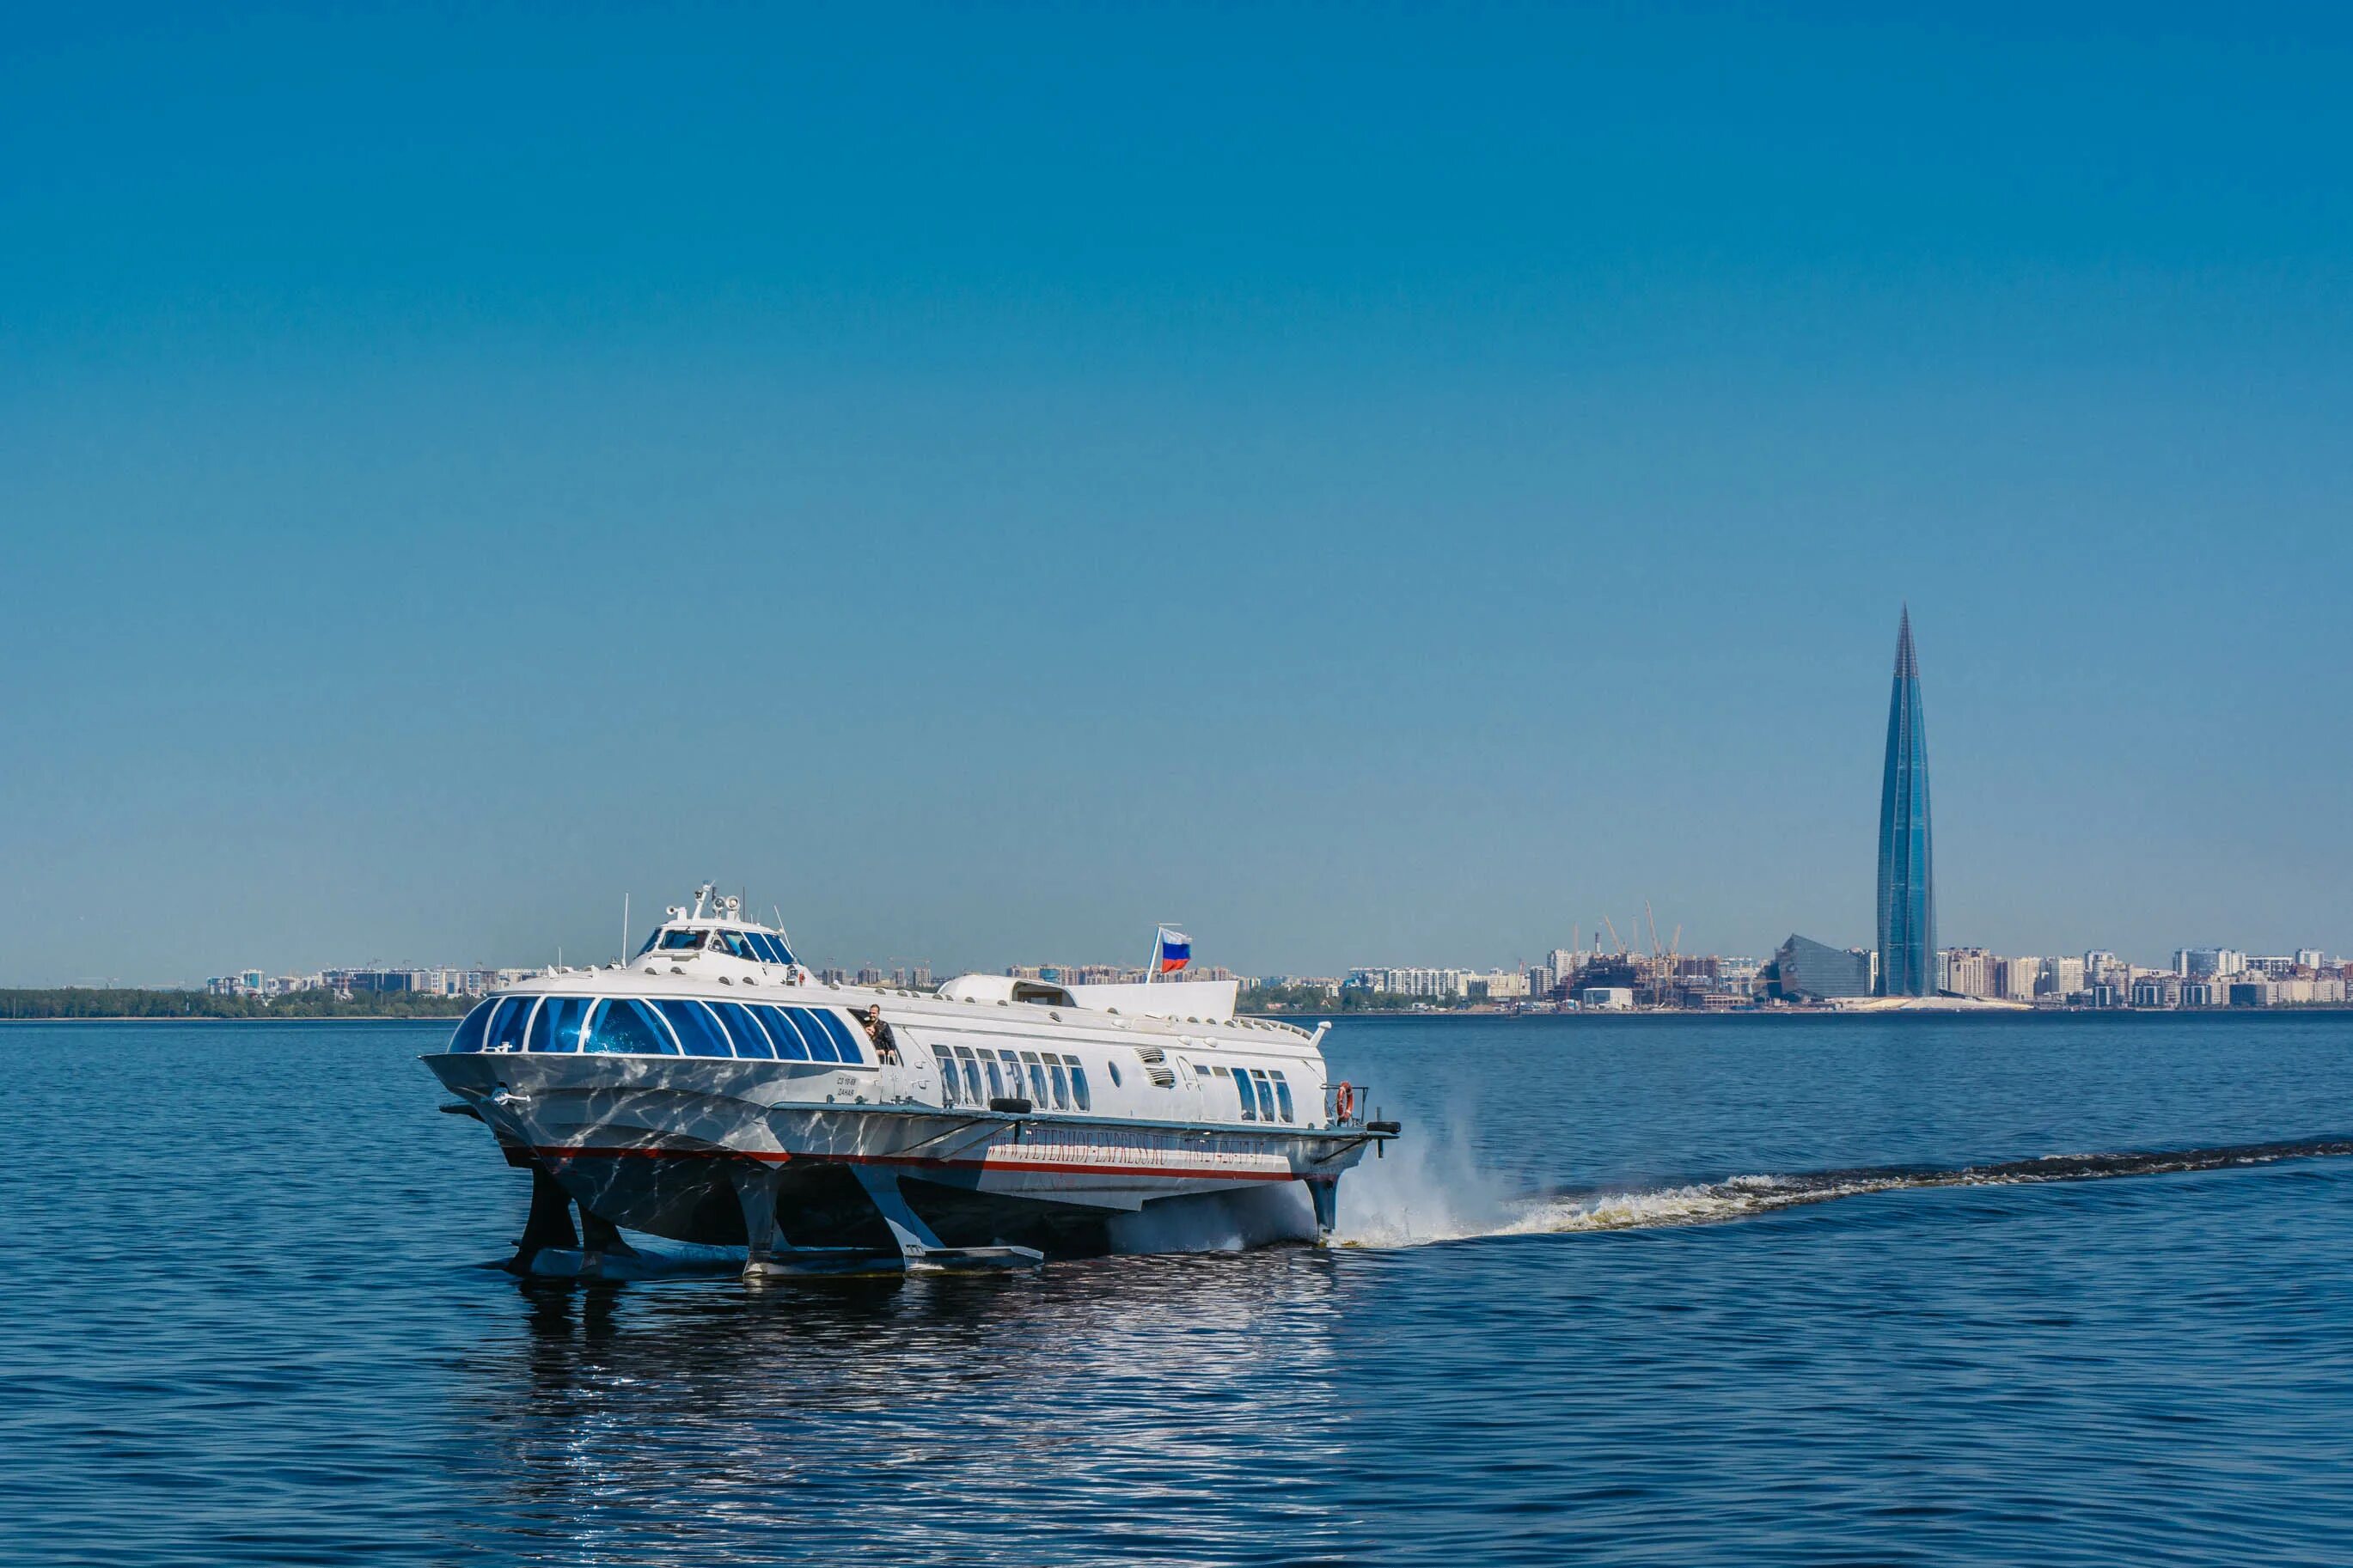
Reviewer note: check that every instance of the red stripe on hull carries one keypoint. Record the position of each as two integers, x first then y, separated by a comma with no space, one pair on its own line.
561,1151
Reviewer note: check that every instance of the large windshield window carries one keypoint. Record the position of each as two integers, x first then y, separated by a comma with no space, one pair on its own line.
680,941
507,1024
556,1026
845,1043
789,1043
468,1036
626,1026
698,1031
744,1026
738,944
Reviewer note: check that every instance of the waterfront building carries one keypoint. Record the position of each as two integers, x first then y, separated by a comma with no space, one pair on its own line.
2212,963
2061,977
1908,892
2016,978
1966,972
1805,970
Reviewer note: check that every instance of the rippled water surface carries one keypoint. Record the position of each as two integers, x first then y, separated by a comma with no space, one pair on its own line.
1741,1290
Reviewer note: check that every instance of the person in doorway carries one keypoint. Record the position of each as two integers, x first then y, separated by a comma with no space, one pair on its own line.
885,1047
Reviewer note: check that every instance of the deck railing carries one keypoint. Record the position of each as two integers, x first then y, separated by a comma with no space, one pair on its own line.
1346,1104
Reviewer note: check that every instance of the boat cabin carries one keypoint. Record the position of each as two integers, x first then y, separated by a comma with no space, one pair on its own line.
692,937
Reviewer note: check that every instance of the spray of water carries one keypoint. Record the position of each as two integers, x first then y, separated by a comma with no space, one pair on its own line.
1423,1189
1218,1222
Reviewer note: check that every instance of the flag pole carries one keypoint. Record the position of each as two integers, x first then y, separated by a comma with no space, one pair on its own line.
1152,970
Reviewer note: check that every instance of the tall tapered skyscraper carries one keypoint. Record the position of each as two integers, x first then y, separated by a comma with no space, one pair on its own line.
1907,884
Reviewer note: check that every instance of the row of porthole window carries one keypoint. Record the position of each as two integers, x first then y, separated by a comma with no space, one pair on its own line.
629,1025
1264,1096
970,1077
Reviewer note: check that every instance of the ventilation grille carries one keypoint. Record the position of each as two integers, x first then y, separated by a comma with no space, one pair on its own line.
1151,1055
1164,1077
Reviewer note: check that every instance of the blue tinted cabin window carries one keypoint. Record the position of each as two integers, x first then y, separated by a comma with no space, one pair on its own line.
507,1025
680,941
789,1044
948,1081
1038,1084
468,1037
740,944
697,1032
1242,1087
784,953
845,1039
971,1074
626,1027
557,1026
995,1084
1114,1073
1265,1097
649,943
1079,1087
770,952
1283,1097
820,1044
744,1028
1062,1084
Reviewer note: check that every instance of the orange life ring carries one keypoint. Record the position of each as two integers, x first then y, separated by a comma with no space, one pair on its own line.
1344,1100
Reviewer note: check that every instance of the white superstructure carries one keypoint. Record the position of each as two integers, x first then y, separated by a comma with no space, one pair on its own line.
711,1090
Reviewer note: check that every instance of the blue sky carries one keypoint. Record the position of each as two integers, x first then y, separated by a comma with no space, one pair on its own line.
1378,486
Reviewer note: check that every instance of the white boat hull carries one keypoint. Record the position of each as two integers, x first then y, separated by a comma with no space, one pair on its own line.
666,1147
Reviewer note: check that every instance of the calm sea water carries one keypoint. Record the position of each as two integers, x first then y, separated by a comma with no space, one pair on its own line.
1640,1290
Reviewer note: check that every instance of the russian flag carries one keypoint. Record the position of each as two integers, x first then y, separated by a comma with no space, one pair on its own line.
1175,951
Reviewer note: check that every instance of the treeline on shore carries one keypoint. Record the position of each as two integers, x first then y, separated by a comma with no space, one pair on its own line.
91,1002
1315,999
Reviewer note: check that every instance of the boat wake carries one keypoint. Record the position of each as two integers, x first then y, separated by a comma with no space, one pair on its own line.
1409,1209
1407,1200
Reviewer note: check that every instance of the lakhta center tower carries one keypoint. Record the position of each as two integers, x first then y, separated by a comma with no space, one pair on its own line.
1908,886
